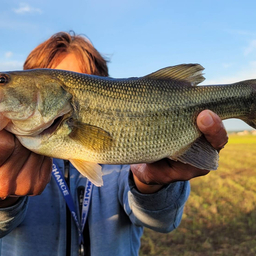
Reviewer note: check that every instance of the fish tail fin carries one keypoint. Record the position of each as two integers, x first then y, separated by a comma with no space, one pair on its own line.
250,118
252,121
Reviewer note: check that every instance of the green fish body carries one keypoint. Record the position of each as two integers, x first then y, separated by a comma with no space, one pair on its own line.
93,120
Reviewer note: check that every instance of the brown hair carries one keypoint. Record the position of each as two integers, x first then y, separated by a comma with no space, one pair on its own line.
51,52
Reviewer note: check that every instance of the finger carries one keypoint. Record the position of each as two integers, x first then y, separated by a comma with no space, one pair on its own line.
3,121
166,171
183,172
7,145
14,163
24,172
44,176
34,175
46,169
212,127
11,168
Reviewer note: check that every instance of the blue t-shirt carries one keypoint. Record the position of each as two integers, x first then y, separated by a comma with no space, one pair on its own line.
37,226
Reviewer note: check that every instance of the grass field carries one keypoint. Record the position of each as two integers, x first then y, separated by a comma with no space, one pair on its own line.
220,215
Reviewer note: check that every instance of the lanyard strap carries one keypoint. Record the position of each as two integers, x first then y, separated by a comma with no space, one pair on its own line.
86,202
60,180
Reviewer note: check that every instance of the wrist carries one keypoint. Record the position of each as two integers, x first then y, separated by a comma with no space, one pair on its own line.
9,201
145,188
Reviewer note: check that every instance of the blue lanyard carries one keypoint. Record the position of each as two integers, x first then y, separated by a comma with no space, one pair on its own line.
60,180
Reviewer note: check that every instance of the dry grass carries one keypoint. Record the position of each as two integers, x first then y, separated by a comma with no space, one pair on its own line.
220,216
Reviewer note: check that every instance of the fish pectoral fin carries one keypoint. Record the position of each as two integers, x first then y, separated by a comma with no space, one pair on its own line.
190,73
201,154
92,137
92,171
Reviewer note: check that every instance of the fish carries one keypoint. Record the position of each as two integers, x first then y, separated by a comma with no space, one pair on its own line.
91,120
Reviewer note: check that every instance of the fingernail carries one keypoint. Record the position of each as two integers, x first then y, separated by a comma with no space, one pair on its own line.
207,120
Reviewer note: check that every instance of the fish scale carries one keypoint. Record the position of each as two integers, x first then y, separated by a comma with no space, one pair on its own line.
92,120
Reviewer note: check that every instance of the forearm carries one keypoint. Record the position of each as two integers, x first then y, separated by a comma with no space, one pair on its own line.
161,211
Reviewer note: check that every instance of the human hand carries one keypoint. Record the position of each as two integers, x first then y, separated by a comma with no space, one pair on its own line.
22,172
149,178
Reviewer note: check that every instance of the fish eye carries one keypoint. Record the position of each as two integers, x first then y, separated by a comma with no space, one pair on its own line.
3,79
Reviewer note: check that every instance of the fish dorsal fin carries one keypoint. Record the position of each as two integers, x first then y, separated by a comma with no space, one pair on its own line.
191,73
200,154
90,170
92,137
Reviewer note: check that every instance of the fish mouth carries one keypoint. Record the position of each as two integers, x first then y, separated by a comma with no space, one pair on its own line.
53,127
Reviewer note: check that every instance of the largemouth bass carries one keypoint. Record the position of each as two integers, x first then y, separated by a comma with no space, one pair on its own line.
93,120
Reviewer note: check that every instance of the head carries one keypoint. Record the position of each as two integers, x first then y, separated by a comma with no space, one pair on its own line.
67,51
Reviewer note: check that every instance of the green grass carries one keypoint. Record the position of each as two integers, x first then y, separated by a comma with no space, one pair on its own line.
220,215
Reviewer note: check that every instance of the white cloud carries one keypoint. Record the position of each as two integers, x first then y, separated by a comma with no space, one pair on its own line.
11,65
26,8
12,24
227,65
241,32
8,54
250,48
245,73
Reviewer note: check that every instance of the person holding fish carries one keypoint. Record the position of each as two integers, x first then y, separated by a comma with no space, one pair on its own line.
70,215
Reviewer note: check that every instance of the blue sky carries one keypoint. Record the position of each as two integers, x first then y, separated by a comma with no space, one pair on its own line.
141,36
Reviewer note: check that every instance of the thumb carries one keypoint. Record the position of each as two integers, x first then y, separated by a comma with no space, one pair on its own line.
213,129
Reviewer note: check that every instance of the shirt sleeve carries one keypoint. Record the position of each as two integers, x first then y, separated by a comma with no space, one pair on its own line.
161,211
12,216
